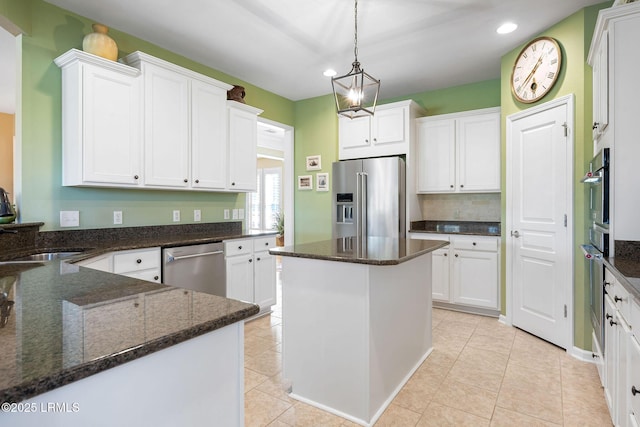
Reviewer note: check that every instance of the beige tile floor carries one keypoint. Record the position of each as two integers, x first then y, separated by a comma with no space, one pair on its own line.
481,373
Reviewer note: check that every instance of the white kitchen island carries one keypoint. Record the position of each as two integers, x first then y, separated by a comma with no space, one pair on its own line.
356,321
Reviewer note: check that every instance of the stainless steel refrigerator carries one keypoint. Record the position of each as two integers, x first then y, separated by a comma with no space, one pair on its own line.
369,197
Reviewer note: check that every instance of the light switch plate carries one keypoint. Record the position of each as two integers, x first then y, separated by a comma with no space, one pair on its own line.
176,216
197,215
226,214
234,214
240,213
69,218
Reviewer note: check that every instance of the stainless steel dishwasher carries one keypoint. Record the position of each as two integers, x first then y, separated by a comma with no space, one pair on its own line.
197,267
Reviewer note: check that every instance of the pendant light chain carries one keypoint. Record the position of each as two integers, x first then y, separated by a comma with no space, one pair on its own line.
355,47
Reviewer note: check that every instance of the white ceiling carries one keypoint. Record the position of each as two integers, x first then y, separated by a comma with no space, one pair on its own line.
284,46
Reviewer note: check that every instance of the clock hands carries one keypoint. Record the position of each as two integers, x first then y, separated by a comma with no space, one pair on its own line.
533,71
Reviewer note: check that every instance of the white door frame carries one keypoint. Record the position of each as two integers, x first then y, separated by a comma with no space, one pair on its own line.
569,101
287,179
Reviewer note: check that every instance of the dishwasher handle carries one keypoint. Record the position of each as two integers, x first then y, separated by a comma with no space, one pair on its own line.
171,258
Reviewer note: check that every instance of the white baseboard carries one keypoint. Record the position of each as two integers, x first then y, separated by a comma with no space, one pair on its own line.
503,319
581,354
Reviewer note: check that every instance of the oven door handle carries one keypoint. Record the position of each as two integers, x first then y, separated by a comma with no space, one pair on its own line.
591,253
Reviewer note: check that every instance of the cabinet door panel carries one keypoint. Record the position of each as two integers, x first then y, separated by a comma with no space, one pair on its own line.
242,150
475,278
265,279
355,133
436,156
166,157
111,128
208,136
440,275
479,152
240,277
634,376
387,126
610,354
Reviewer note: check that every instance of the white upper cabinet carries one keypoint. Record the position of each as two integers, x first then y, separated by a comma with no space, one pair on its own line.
600,64
101,135
387,132
243,141
459,152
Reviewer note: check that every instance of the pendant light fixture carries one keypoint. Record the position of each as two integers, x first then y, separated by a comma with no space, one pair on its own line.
356,93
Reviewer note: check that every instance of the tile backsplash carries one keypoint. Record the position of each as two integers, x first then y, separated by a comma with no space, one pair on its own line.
463,207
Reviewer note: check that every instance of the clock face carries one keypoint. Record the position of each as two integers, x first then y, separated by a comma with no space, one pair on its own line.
536,69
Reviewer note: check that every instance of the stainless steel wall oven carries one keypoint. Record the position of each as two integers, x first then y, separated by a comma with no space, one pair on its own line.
598,246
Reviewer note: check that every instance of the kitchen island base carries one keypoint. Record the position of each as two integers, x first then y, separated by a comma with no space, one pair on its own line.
198,382
354,333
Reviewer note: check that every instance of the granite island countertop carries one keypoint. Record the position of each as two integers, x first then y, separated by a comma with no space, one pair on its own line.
478,228
370,250
43,305
625,266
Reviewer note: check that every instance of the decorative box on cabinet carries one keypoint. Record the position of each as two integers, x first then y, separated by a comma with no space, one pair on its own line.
251,270
388,132
465,273
459,152
101,125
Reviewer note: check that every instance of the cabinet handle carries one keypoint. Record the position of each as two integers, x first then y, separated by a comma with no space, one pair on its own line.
451,186
136,304
257,259
594,356
617,298
634,390
250,260
239,248
612,322
155,277
135,177
595,125
456,255
375,139
139,261
185,180
185,292
474,243
461,185
608,316
607,284
266,244
366,140
445,254
197,181
233,183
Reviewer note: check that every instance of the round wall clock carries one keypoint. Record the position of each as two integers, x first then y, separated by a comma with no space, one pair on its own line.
536,69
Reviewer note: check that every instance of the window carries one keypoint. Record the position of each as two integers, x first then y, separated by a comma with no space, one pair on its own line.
264,204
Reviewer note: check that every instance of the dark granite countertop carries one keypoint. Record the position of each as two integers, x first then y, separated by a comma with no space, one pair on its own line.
42,345
456,227
371,250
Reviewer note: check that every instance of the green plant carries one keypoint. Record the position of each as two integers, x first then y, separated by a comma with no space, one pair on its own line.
279,223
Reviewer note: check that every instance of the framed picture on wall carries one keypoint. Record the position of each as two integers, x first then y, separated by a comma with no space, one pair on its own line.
314,163
305,182
322,182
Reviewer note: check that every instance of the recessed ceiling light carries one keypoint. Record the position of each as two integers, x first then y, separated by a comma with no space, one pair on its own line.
329,73
506,28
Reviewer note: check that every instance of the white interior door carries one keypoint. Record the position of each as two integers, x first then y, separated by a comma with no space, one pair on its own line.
539,192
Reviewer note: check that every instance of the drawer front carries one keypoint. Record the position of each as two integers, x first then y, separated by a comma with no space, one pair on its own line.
475,244
238,247
622,300
264,243
152,275
634,377
131,261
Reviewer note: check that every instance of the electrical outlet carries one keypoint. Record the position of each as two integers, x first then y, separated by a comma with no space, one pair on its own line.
69,218
117,217
197,215
226,214
234,214
241,213
176,216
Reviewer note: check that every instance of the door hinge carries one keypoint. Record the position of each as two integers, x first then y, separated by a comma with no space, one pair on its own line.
565,311
565,220
566,129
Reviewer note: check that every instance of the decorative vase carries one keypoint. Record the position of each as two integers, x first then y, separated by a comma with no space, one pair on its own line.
99,43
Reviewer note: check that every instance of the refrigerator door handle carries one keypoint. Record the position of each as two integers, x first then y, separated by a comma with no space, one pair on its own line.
361,204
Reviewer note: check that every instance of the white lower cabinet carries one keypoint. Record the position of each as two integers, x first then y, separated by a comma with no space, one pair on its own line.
251,270
621,354
141,264
465,273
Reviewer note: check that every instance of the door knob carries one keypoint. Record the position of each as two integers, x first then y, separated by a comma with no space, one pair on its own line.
515,234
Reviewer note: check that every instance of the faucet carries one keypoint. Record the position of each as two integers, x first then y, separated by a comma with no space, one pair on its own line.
3,231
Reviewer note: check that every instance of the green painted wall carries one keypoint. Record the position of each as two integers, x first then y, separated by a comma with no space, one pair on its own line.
53,32
574,35
15,16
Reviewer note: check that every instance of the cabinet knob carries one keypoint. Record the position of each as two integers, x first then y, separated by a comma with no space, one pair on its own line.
375,139
185,180
135,177
266,244
608,316
474,243
634,390
257,259
451,186
595,125
456,255
366,140
445,254
233,183
136,304
461,185
250,260
240,248
185,292
617,298
139,261
155,277
606,284
197,181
